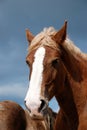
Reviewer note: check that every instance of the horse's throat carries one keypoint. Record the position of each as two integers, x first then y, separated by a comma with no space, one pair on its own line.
67,103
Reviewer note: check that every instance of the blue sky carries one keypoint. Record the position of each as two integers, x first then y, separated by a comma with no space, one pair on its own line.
15,17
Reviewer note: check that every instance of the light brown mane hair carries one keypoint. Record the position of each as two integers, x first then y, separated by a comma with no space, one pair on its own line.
44,39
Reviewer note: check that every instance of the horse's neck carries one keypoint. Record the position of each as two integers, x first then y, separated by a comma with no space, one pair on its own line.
75,64
67,104
72,99
76,69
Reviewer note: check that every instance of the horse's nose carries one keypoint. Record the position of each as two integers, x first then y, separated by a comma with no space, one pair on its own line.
36,108
43,105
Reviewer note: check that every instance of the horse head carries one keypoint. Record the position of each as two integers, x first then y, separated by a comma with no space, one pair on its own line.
47,71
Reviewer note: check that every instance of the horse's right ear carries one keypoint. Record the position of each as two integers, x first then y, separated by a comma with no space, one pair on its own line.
29,36
60,36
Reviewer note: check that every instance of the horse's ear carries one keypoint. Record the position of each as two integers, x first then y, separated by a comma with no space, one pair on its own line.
29,36
60,36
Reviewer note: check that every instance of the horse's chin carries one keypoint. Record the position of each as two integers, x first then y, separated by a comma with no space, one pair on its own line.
39,115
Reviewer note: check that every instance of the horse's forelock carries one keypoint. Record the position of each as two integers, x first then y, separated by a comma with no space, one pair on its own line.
44,39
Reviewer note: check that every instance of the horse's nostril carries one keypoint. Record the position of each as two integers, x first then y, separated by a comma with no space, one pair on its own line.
43,105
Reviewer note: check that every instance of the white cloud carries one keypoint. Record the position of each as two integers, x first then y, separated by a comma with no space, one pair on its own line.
17,90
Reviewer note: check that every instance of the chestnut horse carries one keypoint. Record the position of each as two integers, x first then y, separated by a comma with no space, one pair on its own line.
14,117
57,68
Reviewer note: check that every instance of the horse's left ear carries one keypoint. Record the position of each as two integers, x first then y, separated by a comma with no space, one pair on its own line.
60,36
29,36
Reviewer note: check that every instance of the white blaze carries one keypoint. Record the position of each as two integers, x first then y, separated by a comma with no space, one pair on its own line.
33,94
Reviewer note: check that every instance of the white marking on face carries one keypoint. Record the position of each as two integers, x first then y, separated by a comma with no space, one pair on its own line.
33,95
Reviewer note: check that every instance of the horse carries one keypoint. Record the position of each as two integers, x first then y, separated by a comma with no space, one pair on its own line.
57,68
14,117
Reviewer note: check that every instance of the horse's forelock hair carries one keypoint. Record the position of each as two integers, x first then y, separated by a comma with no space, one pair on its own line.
44,39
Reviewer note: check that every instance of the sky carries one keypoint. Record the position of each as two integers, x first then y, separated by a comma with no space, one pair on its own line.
18,15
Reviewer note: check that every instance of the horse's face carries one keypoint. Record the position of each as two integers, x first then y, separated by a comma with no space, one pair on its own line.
46,74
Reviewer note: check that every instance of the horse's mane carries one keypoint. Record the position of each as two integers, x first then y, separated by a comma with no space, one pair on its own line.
73,50
44,38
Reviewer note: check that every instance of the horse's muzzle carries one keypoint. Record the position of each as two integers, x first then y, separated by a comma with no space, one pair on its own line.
37,110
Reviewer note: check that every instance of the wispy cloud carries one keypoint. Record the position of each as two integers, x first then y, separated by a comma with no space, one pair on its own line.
16,90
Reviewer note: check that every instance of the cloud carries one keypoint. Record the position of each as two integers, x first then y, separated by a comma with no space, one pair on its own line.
15,90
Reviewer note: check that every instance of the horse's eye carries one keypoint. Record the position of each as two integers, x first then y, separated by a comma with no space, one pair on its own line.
55,62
